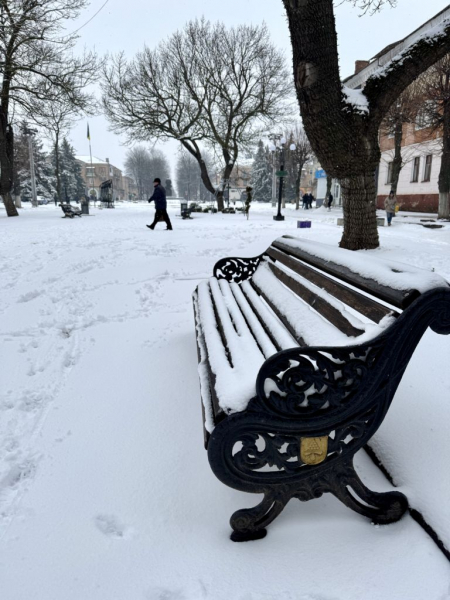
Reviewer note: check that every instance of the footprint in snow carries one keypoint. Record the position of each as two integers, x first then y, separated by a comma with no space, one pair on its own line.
165,594
111,526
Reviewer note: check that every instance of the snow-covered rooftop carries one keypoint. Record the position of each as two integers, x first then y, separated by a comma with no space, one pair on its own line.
386,55
95,160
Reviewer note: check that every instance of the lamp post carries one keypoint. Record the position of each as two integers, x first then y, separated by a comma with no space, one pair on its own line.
281,174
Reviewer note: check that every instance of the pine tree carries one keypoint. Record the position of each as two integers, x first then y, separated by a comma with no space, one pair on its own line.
43,167
261,175
72,183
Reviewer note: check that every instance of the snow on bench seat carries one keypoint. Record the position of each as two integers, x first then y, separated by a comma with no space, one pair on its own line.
236,363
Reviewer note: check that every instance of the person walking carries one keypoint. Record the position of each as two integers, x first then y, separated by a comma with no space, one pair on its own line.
389,205
330,201
305,199
311,200
159,198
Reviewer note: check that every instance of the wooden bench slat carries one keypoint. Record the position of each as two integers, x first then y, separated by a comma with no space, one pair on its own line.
255,325
319,304
239,321
362,304
307,325
280,337
300,341
239,339
399,298
220,327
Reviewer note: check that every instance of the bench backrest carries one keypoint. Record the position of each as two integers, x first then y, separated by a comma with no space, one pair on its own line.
350,293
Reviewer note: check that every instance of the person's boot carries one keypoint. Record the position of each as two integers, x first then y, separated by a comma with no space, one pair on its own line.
150,227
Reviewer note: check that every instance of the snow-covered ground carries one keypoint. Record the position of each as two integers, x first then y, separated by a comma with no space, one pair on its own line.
105,488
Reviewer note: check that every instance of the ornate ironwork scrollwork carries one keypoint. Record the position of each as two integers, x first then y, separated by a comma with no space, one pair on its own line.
312,381
236,269
343,393
268,453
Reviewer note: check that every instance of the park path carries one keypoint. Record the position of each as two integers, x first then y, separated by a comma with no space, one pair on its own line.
105,489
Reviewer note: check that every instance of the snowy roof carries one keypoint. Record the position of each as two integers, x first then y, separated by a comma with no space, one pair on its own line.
95,160
387,54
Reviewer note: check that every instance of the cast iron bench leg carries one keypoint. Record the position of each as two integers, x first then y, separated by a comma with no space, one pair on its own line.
250,523
381,508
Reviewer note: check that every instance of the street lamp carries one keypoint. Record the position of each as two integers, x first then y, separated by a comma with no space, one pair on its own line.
281,173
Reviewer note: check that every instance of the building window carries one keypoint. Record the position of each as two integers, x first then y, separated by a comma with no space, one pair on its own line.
415,171
90,171
389,173
427,170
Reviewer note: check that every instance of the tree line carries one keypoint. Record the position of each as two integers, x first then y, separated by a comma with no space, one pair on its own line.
217,91
57,172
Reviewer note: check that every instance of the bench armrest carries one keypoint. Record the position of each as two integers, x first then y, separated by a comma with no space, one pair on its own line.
236,269
315,383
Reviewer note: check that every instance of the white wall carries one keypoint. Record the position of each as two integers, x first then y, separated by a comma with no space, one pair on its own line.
405,185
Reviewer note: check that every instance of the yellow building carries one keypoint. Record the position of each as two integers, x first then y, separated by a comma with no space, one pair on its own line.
95,173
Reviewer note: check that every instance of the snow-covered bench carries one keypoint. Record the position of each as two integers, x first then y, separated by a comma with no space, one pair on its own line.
301,351
70,211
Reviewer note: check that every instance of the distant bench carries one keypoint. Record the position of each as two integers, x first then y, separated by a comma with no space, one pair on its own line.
70,211
301,351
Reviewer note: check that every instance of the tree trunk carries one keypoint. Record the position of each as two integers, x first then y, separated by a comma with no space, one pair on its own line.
220,202
359,202
444,175
11,209
344,140
57,172
329,183
297,185
397,163
7,164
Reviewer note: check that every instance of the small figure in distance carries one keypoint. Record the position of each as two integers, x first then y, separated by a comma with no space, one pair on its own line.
159,198
330,201
389,206
305,199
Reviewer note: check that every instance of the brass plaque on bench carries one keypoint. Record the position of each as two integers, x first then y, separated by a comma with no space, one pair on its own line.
313,450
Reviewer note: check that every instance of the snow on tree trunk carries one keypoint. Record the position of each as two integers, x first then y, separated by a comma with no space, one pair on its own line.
359,203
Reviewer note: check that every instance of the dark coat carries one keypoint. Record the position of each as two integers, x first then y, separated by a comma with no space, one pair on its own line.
159,197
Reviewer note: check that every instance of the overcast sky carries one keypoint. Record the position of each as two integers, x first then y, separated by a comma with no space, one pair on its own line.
129,24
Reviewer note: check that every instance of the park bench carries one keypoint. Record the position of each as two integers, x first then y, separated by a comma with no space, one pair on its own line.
301,351
185,211
70,211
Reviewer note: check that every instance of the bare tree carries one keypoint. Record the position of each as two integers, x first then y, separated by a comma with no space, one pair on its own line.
435,113
55,118
36,65
188,176
205,85
402,112
342,124
136,167
372,6
296,159
143,165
